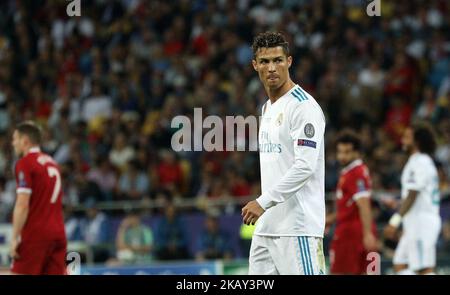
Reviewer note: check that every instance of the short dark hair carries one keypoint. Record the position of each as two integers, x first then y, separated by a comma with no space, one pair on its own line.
30,129
424,138
269,40
348,136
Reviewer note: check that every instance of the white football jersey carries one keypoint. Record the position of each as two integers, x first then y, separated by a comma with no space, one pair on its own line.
292,157
420,174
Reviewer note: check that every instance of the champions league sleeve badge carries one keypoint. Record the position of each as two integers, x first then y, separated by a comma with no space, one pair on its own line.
22,182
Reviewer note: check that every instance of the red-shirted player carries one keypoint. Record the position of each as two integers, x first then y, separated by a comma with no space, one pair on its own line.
38,243
355,233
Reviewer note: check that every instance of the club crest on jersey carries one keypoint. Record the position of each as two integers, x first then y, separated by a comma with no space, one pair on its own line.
279,120
309,130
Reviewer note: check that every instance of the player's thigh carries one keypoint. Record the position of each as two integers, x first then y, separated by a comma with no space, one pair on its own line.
421,254
348,257
56,260
315,245
32,257
401,255
260,259
299,255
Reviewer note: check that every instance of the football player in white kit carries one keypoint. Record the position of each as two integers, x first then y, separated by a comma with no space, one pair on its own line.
291,210
419,209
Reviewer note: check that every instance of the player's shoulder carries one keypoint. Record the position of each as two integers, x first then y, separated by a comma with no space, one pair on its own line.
356,169
300,97
362,170
420,160
27,160
300,101
300,94
43,159
424,162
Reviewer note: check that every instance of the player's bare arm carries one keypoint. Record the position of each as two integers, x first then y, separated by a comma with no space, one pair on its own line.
391,229
20,216
330,219
365,213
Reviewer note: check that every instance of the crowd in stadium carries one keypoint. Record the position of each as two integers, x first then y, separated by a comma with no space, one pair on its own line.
105,87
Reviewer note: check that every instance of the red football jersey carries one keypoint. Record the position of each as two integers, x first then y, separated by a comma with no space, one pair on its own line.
38,174
354,183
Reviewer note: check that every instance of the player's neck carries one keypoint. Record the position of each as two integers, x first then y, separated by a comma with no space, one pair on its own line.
275,94
351,164
414,151
32,149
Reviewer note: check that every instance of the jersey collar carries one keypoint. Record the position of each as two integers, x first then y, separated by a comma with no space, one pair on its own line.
34,150
270,104
352,165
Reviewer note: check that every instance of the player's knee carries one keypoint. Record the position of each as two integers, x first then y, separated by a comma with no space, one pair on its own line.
426,271
400,268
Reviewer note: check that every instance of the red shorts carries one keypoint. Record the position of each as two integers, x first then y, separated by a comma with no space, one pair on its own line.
348,256
347,252
41,258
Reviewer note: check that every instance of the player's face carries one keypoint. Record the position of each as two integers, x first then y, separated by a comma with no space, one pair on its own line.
408,140
346,153
272,66
18,143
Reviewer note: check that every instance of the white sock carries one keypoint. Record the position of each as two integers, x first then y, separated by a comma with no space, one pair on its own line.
405,272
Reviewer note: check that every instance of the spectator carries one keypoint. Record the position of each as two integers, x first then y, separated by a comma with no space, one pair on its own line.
104,175
213,243
170,239
121,153
86,190
95,230
398,117
98,104
73,225
427,109
133,184
134,240
169,170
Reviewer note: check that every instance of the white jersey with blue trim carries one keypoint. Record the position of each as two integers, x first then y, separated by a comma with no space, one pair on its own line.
420,174
292,157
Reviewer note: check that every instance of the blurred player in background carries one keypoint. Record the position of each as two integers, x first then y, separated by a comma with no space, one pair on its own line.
291,209
419,209
355,233
38,243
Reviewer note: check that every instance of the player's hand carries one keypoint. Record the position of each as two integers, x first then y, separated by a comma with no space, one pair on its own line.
13,249
251,212
370,242
390,232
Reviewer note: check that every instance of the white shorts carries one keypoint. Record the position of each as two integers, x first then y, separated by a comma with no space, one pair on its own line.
418,252
286,256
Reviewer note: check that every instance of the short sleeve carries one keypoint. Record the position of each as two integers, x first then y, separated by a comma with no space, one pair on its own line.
307,127
415,178
23,178
362,186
